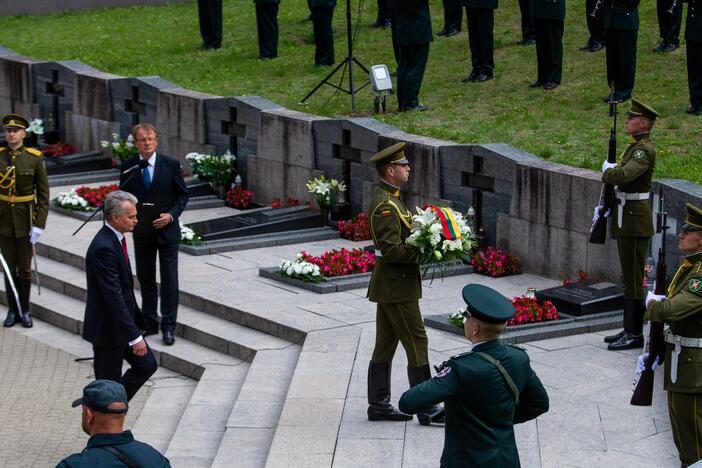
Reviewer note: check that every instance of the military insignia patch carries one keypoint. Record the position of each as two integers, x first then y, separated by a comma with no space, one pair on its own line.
446,370
695,285
638,154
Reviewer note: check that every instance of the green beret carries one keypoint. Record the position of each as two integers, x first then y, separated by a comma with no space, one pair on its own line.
639,108
486,304
14,121
693,222
394,154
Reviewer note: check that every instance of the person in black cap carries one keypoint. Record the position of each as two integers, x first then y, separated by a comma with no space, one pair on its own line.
633,218
396,287
681,309
485,390
105,407
24,207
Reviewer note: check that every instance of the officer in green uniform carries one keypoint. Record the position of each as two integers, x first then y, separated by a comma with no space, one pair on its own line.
621,23
548,24
693,39
485,391
105,407
633,218
267,26
322,12
411,34
24,206
481,23
396,287
682,311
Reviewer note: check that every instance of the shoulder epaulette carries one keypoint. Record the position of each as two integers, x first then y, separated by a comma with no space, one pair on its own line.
33,151
461,355
697,266
516,346
3,149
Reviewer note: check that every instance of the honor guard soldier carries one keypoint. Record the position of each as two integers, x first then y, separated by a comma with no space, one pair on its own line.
633,218
486,390
682,311
24,206
621,23
396,287
693,38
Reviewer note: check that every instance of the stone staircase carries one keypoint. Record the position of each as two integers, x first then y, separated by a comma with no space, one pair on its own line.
242,373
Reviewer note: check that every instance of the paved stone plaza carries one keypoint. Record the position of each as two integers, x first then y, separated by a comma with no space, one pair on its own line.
318,417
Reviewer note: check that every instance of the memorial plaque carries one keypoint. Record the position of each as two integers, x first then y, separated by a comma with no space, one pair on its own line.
584,299
87,161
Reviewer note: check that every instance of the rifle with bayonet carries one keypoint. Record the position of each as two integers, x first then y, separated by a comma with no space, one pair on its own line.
655,343
598,230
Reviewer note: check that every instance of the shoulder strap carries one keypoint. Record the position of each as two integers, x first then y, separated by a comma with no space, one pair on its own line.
503,371
122,457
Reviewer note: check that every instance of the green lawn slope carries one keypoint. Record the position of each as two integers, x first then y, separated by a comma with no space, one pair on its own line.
568,125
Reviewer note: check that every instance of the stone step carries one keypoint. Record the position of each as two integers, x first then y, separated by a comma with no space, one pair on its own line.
199,327
83,178
202,202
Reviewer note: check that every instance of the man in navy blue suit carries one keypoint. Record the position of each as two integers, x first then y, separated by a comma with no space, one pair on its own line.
112,320
162,195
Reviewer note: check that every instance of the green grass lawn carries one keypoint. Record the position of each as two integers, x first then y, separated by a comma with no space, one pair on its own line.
568,125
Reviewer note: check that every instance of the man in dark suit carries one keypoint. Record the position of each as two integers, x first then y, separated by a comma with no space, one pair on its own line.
487,390
210,13
322,15
453,17
693,37
548,20
267,26
162,196
112,320
411,34
481,22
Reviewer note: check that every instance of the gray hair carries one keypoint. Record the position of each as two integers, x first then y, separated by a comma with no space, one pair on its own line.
115,200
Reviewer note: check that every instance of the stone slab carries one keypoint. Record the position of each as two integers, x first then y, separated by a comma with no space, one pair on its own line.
261,241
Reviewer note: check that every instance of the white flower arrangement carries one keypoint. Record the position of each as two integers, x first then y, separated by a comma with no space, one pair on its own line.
121,148
325,190
71,201
441,240
36,127
188,236
457,318
302,270
213,168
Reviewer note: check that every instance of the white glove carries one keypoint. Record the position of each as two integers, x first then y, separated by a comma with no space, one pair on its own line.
641,363
34,234
596,214
607,165
654,297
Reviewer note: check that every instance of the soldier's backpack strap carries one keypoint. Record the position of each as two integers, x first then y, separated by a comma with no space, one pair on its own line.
510,383
122,457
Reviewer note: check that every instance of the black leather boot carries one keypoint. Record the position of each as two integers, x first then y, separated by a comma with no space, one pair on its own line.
433,414
24,286
379,407
632,336
12,315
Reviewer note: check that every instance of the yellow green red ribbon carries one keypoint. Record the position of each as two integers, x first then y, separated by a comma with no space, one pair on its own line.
448,222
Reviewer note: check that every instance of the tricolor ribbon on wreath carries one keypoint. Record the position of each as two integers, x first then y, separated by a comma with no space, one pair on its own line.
448,221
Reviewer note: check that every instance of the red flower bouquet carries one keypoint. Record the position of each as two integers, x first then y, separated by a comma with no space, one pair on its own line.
495,262
356,229
528,310
239,197
95,196
342,262
58,149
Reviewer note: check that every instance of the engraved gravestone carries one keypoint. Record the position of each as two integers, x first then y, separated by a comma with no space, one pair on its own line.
584,299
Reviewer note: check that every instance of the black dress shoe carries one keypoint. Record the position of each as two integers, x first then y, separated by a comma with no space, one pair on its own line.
470,78
442,32
386,412
387,24
536,84
618,100
627,341
613,338
26,320
452,32
168,338
659,47
596,47
151,331
527,42
669,47
11,319
378,23
551,85
483,77
418,107
585,47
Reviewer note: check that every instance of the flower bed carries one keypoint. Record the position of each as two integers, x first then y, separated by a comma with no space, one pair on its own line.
356,229
528,310
342,262
495,263
57,150
218,170
239,197
83,198
121,149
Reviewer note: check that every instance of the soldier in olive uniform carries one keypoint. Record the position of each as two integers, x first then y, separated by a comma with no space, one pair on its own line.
453,17
669,21
633,218
322,15
411,34
693,37
267,26
396,287
24,206
682,311
210,14
595,28
548,22
486,390
481,23
621,23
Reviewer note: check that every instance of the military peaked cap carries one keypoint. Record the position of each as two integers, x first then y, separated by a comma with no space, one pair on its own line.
394,154
14,121
638,108
486,304
693,222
